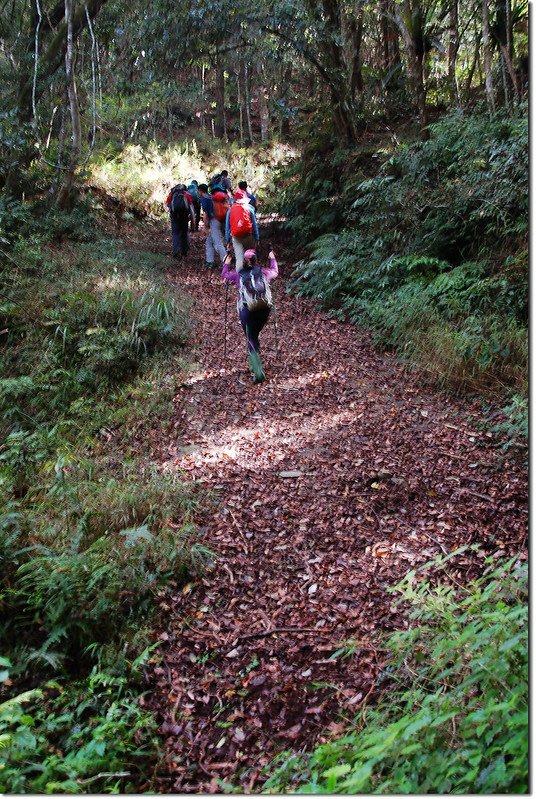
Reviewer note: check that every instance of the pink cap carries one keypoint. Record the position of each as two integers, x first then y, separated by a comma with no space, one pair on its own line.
249,254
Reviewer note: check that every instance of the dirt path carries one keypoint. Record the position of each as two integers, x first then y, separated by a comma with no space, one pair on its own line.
334,478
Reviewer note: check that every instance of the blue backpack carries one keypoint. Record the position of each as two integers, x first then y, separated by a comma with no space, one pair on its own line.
214,183
192,188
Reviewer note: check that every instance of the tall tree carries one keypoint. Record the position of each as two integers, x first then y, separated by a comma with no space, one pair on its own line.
64,196
410,20
453,51
486,43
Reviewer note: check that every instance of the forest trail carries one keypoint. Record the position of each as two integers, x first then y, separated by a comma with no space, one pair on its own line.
328,483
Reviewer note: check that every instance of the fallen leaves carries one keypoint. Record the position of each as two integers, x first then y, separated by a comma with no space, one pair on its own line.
333,479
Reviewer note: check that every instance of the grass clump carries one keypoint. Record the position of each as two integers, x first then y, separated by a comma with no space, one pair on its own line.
455,716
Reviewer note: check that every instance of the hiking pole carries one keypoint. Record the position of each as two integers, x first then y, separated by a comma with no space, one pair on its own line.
275,323
275,314
225,336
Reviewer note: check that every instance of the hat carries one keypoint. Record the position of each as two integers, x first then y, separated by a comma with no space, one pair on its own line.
240,195
249,254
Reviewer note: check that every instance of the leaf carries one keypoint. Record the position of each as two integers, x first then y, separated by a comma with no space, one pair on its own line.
337,771
134,534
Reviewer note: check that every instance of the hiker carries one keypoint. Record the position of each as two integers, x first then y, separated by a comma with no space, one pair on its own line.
215,183
181,211
192,188
254,302
243,186
241,227
214,242
225,181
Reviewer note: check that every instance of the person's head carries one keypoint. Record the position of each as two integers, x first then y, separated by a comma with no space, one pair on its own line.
242,185
203,188
224,173
181,186
250,258
193,182
240,196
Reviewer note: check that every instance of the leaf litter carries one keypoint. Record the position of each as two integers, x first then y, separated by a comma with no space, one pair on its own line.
332,480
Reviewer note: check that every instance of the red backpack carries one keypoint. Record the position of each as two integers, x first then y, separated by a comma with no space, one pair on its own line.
221,205
240,221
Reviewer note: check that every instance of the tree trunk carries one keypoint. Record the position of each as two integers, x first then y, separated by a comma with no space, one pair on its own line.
219,96
415,64
511,71
285,123
53,58
384,24
264,113
472,67
344,117
240,106
337,72
352,29
248,102
65,193
487,56
452,52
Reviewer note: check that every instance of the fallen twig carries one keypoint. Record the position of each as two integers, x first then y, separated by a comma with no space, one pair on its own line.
239,529
276,630
439,544
104,774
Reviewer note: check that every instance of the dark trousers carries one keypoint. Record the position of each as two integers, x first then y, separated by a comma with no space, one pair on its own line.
253,322
197,212
179,235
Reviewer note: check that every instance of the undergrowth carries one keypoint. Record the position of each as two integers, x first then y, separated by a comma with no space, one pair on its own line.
454,718
143,174
430,253
90,534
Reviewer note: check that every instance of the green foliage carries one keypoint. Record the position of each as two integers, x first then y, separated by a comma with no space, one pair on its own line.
84,545
93,329
514,424
88,559
455,716
89,536
86,736
310,188
433,255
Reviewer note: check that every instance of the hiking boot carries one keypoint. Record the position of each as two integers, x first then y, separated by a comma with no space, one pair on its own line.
255,364
210,264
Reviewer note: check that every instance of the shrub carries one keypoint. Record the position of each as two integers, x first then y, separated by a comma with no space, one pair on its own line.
455,717
82,558
433,254
90,536
85,737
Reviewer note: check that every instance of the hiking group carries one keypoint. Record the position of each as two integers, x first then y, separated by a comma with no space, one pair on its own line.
231,216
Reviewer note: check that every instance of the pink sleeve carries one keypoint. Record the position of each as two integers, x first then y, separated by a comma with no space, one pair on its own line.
229,274
272,271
